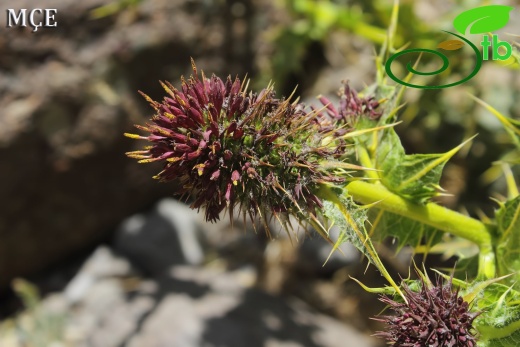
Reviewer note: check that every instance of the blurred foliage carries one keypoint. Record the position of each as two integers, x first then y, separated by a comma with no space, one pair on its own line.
433,120
510,157
113,8
36,326
310,22
313,21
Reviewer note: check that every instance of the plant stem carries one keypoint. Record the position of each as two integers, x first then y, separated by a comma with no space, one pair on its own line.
433,215
364,159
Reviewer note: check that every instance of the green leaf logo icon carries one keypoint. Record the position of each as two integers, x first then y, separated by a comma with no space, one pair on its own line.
451,45
482,19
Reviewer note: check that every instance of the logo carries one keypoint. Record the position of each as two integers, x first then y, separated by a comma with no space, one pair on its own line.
480,20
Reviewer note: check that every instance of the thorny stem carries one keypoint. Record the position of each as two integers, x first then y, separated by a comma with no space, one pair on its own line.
431,214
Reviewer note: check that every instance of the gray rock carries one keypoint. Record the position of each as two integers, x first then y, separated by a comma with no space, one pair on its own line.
166,236
237,315
108,305
314,255
101,264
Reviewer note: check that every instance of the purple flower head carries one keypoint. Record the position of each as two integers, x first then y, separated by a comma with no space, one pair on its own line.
351,107
435,316
230,147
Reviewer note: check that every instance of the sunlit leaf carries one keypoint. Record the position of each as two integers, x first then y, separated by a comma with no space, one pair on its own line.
414,177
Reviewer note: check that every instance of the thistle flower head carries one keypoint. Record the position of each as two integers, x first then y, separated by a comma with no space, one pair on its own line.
435,316
351,106
229,147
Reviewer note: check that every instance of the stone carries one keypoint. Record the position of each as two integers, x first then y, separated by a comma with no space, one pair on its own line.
166,236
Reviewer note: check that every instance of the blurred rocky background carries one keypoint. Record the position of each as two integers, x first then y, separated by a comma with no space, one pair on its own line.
109,258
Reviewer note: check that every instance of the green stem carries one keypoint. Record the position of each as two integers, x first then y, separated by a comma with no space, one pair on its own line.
364,159
431,214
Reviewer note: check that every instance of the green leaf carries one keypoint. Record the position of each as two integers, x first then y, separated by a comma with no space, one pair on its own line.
344,213
499,323
348,230
508,247
481,20
414,177
406,231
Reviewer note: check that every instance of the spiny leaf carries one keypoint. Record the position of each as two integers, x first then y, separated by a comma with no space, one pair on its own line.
508,232
415,177
405,231
482,19
499,323
351,221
